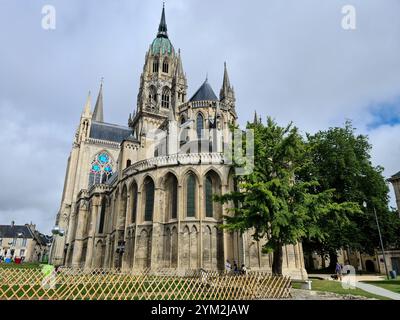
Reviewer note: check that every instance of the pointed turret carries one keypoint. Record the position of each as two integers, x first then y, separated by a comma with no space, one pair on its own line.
226,85
171,114
98,109
227,94
87,108
179,68
255,121
162,29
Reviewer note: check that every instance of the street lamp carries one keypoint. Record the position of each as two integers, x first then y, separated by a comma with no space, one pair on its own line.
380,238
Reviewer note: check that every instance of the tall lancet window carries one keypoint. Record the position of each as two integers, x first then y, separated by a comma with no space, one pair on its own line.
209,196
190,196
155,65
149,199
199,125
152,96
165,66
165,98
101,169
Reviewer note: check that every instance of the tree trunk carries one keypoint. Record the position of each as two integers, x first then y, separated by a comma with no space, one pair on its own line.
277,261
333,259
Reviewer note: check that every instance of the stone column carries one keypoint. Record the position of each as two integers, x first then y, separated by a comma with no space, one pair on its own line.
107,253
227,236
127,256
156,234
77,254
180,215
200,215
138,220
92,232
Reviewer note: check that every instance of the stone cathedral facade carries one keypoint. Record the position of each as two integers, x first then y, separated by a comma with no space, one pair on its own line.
141,196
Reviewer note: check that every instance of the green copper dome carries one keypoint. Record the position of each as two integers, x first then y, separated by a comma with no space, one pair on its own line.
163,45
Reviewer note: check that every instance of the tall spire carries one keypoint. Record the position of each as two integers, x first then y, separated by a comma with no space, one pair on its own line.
226,90
226,85
98,109
86,109
162,29
255,121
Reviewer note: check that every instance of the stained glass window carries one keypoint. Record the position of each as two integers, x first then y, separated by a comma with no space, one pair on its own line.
101,169
199,125
149,203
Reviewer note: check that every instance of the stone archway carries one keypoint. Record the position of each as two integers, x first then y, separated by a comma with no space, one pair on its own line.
369,266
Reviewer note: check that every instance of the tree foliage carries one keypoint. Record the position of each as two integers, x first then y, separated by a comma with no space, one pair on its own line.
275,201
340,160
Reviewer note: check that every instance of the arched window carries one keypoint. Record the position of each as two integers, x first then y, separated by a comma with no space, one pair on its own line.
165,97
101,169
149,199
208,196
212,186
134,199
102,215
199,124
190,196
152,95
171,196
155,64
165,66
128,163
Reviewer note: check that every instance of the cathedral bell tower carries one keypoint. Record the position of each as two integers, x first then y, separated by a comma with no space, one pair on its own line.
163,84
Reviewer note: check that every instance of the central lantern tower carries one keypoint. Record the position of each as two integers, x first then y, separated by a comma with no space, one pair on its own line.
163,84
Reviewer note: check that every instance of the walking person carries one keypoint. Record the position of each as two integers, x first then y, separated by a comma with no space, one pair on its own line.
338,271
228,266
235,268
244,270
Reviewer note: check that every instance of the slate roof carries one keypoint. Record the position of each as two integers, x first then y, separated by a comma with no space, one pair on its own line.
109,132
395,176
205,92
43,239
8,231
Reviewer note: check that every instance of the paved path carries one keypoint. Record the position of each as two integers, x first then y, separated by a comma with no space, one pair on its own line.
377,290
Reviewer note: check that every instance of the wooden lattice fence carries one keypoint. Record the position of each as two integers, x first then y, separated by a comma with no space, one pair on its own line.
102,284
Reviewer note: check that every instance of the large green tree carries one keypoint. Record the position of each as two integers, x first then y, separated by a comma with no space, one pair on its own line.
274,201
340,160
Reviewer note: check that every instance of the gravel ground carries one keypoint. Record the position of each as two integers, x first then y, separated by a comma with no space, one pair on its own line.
298,294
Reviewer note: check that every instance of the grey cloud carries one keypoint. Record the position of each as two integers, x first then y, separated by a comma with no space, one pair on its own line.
288,59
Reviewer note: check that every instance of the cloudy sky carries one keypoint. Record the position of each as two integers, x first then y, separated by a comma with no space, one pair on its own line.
290,59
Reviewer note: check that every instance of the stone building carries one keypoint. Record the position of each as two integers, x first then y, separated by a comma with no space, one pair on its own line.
141,196
364,262
23,241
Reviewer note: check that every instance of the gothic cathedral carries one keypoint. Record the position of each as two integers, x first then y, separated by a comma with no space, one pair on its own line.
141,196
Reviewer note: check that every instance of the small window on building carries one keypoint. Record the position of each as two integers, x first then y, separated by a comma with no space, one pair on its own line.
24,242
22,253
128,163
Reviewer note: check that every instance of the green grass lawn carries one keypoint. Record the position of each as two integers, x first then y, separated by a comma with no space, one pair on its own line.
26,265
336,287
392,285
